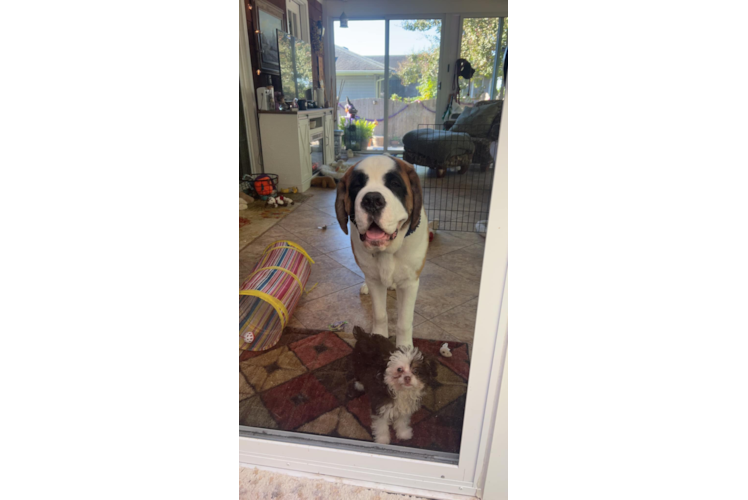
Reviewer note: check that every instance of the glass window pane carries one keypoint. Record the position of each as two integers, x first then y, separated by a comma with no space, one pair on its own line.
359,68
305,384
414,72
478,46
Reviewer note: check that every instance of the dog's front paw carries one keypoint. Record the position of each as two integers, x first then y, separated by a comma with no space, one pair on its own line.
364,289
405,434
383,438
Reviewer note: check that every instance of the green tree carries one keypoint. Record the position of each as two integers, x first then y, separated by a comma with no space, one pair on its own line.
421,68
478,47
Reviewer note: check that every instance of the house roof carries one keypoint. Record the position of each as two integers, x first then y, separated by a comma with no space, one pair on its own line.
395,60
345,60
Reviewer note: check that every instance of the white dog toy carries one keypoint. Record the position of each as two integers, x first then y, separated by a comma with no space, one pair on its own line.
272,202
444,351
282,200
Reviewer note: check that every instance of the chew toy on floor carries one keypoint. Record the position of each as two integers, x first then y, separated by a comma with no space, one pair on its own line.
444,351
269,295
338,326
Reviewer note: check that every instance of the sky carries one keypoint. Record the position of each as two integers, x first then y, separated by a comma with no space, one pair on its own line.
367,38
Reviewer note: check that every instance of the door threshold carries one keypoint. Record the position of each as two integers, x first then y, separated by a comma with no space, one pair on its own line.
350,445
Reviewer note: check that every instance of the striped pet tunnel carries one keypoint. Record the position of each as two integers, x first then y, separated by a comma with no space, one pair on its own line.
269,295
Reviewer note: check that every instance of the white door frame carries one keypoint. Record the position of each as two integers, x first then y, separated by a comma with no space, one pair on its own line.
496,475
247,86
482,413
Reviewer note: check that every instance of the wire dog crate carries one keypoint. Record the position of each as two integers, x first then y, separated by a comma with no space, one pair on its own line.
459,197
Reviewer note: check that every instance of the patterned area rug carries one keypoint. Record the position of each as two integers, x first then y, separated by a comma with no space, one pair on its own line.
302,384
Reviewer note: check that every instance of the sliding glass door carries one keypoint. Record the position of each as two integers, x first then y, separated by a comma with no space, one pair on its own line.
301,407
387,80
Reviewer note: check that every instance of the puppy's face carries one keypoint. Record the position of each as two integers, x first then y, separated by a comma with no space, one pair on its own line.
408,370
382,193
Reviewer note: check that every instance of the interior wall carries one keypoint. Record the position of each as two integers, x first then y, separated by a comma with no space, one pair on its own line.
262,79
315,14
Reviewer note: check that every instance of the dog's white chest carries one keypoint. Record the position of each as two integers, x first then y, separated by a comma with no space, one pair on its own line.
386,269
406,403
389,268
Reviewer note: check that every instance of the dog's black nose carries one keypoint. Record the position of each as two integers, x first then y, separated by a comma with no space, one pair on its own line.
373,202
407,379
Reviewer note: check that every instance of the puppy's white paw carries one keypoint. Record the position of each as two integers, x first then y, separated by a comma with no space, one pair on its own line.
405,434
359,386
364,289
383,438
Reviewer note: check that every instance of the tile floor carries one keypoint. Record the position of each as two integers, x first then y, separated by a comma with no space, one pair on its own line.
447,297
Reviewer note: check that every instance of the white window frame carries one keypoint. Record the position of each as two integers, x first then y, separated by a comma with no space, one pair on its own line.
485,419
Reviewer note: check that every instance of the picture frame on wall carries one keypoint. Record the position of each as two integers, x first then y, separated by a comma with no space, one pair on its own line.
268,18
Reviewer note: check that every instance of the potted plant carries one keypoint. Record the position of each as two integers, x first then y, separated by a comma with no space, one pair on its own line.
365,131
358,132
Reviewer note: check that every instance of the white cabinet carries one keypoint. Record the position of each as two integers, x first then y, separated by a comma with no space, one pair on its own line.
286,144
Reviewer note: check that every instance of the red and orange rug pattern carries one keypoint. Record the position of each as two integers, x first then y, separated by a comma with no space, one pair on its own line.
302,384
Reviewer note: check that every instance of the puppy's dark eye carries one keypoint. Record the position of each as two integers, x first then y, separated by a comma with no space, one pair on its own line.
400,370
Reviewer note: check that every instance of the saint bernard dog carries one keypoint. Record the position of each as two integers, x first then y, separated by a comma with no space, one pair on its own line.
381,196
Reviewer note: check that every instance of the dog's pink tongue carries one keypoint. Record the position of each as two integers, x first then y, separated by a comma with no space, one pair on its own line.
375,233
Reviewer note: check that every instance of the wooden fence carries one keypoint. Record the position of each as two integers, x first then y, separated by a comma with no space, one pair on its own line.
408,116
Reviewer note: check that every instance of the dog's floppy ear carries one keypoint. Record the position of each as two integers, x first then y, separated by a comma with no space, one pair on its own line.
343,201
409,172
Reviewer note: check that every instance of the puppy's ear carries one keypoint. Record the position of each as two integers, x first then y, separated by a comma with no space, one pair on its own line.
359,333
343,201
409,172
431,367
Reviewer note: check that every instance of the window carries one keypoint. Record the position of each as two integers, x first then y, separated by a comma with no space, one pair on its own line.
482,46
297,14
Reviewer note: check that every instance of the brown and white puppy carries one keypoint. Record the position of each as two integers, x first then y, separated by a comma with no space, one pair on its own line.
395,380
382,197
